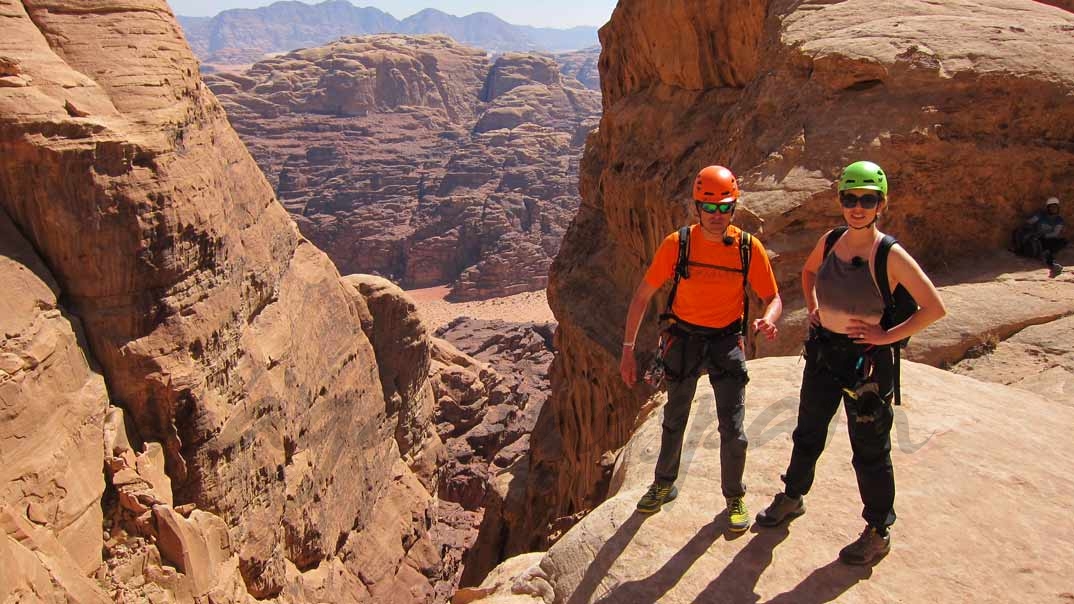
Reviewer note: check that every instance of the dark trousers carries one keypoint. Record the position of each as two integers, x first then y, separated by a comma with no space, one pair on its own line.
1051,245
831,365
725,362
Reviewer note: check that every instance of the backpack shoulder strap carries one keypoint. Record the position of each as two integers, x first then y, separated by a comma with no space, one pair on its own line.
682,265
682,270
880,275
745,252
833,236
880,269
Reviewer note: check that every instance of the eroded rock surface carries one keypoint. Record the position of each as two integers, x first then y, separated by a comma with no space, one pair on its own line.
416,159
954,100
258,457
490,391
51,436
582,65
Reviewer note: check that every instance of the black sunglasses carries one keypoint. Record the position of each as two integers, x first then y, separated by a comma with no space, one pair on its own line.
712,208
867,201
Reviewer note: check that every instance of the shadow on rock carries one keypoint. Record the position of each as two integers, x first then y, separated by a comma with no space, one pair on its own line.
824,584
653,587
606,557
738,581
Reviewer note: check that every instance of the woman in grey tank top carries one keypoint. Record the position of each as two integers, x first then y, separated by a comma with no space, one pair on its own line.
849,358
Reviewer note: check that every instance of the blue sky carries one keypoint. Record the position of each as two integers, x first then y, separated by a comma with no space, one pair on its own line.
546,13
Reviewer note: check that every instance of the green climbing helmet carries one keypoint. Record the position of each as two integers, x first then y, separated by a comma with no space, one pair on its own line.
864,175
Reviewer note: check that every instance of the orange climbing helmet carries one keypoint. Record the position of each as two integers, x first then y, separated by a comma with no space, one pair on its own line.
716,184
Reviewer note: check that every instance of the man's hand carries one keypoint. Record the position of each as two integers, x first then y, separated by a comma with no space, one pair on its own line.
766,327
628,367
814,317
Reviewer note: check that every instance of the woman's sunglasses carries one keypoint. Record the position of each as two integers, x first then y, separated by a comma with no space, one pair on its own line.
867,201
712,208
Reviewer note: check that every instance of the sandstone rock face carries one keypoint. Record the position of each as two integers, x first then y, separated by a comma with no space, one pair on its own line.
971,122
490,391
249,385
953,440
403,352
51,435
414,158
1029,348
582,65
246,36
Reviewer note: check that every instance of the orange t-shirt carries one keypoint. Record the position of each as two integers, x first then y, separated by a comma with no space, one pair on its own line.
712,296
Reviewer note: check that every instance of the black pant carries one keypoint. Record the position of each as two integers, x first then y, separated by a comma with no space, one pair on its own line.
1051,245
687,356
832,364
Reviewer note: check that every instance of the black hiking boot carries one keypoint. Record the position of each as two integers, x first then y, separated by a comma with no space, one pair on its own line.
1054,268
870,547
658,494
781,508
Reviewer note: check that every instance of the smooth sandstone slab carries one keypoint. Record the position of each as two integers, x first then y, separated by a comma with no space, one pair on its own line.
978,519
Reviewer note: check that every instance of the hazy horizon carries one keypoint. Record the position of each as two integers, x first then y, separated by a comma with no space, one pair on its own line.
560,14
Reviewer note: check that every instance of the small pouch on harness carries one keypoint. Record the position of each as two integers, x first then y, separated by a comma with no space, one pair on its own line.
853,367
655,374
685,348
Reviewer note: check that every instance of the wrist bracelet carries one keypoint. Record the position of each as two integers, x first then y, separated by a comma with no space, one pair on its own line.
630,344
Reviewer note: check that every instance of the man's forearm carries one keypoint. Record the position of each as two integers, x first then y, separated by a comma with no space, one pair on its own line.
638,305
774,310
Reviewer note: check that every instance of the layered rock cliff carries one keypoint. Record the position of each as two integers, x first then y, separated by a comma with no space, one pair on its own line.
180,368
417,159
961,102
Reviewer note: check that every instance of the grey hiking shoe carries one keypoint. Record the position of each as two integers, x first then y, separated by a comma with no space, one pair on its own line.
738,517
870,547
782,508
658,494
1054,269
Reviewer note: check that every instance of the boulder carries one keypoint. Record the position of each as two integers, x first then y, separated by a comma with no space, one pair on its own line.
402,346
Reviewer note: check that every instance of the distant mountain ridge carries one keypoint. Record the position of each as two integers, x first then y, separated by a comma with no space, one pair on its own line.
246,35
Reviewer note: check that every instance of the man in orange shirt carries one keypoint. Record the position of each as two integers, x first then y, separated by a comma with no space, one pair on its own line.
705,335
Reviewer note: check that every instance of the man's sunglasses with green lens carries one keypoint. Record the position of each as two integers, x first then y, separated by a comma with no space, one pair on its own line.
867,201
712,208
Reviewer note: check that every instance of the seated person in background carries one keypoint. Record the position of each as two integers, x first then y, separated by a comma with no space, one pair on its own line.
1041,235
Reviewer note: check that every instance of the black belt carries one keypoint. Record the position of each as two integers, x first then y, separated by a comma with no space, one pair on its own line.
834,339
701,331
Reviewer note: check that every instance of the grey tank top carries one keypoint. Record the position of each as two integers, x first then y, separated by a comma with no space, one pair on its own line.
845,291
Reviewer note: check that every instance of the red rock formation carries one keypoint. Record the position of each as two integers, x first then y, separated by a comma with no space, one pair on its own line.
416,159
251,390
485,415
582,66
50,436
962,103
